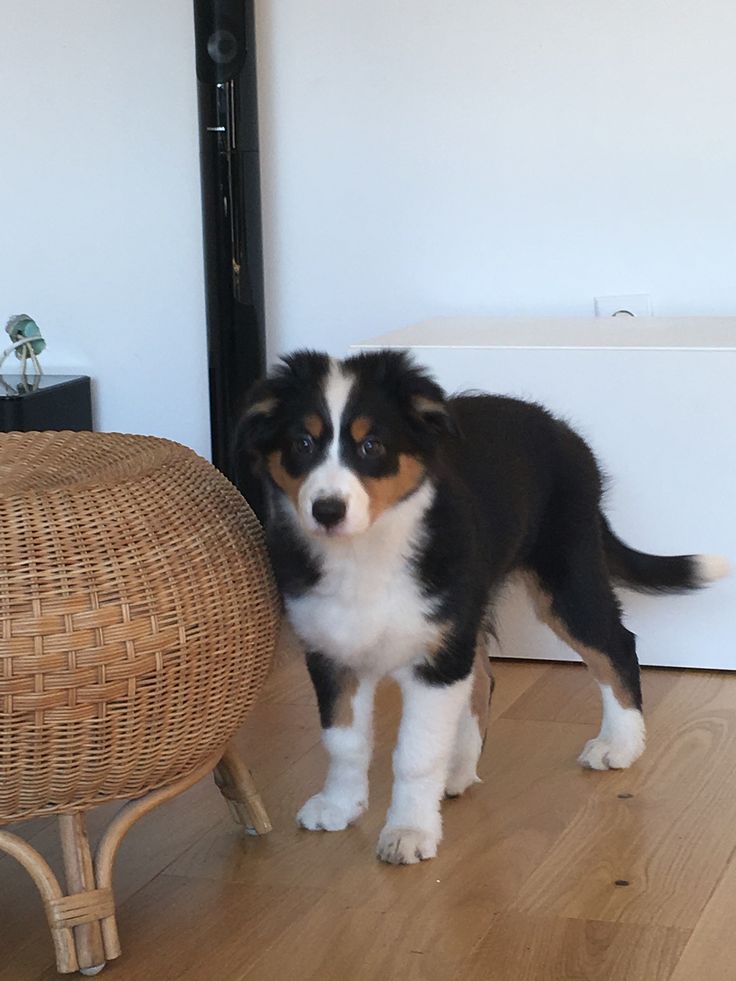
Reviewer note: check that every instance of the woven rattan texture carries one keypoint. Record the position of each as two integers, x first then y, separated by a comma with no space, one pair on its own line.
138,617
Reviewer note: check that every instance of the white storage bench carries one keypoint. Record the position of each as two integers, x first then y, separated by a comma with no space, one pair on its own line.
656,399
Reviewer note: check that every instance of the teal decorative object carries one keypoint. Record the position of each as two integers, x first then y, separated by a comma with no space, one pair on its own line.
25,340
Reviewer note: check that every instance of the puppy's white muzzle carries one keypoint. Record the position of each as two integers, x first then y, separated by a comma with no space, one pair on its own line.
332,482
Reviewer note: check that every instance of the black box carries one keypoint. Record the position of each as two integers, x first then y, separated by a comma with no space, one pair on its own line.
46,402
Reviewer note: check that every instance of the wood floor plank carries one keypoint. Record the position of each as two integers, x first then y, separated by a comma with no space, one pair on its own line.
568,693
709,952
674,826
532,789
504,827
201,930
523,888
539,948
27,829
334,943
691,739
513,679
275,736
289,681
338,941
289,855
289,684
650,846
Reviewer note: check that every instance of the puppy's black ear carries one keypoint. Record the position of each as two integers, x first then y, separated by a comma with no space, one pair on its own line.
418,395
429,407
257,422
263,411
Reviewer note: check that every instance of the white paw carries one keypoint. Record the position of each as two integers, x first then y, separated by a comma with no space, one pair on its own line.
406,846
604,754
621,739
320,813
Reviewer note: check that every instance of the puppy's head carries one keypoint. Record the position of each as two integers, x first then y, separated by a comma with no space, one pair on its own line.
344,441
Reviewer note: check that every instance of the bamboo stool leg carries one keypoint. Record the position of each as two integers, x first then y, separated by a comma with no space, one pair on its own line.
50,890
237,786
82,923
80,884
116,831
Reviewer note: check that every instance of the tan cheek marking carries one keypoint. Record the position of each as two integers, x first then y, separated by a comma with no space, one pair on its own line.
343,710
600,665
314,425
384,492
290,485
359,428
483,684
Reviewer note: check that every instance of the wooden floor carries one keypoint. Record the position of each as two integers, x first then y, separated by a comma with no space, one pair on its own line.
546,871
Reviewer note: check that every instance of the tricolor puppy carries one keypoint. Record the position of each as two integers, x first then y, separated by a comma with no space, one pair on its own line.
395,517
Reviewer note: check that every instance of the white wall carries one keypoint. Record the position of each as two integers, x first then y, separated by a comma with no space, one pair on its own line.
426,157
100,235
420,157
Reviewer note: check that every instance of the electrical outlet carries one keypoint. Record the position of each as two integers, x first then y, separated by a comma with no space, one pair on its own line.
633,305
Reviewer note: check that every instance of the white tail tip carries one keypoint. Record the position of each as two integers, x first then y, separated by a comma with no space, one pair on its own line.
709,568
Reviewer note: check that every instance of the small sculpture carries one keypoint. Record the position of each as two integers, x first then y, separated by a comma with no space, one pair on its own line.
26,341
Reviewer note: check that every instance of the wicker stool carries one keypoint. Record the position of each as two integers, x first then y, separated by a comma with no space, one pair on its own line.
138,618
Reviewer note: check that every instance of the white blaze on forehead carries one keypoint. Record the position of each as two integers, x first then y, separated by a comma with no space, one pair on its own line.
332,478
337,387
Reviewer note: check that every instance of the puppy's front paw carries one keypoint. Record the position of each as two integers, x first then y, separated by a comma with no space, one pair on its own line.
601,754
406,846
619,747
321,813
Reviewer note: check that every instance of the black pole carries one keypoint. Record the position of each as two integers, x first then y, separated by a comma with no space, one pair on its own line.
231,211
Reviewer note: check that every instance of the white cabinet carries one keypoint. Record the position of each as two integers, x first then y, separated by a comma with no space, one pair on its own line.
656,399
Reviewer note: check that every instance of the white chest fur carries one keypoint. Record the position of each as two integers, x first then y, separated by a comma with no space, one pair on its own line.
367,610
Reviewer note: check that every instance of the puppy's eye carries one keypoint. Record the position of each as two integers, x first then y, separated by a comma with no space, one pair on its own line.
371,448
303,445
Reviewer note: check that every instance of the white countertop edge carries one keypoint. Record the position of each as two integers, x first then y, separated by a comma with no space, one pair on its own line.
561,334
371,346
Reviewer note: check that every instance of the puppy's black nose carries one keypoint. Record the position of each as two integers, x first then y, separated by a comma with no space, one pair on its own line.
328,511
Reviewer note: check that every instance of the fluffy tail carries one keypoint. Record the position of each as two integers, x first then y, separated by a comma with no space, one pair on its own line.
659,573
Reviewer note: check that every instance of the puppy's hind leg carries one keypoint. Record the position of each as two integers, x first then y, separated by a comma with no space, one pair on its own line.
582,610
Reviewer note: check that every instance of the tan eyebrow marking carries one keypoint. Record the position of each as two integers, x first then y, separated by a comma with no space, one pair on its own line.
263,408
360,427
424,405
314,425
